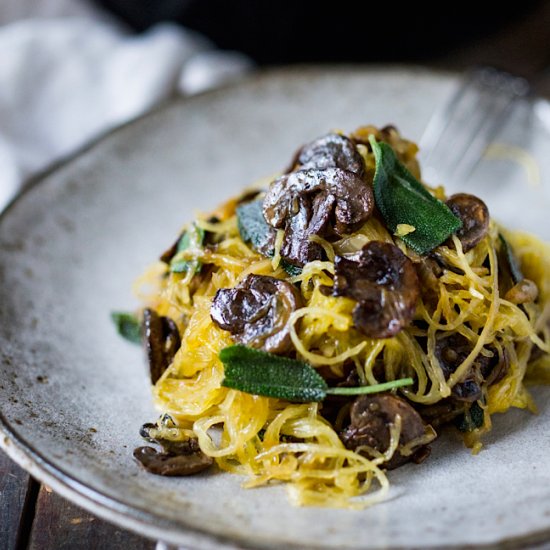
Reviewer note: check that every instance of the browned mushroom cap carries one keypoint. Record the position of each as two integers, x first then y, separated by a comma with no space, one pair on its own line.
384,283
474,215
309,202
371,419
162,341
256,312
168,464
452,350
331,151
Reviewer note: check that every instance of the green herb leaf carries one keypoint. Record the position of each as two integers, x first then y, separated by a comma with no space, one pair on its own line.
261,373
511,260
471,419
292,270
127,325
402,199
192,238
254,229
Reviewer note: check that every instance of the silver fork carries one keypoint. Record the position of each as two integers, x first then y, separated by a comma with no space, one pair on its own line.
459,132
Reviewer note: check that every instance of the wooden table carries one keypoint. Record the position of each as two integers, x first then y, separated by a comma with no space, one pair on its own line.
32,516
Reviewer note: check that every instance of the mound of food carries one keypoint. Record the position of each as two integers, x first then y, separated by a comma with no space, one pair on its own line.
324,330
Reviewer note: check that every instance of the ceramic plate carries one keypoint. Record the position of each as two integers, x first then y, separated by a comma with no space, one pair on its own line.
73,394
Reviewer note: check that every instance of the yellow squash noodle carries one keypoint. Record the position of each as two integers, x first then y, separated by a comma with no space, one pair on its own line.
273,441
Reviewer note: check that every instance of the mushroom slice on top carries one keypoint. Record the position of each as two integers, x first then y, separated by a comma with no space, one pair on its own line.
312,202
256,312
384,283
180,456
474,215
331,151
311,218
371,419
162,341
168,464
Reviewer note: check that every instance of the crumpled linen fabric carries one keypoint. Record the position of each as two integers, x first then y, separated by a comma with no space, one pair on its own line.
64,81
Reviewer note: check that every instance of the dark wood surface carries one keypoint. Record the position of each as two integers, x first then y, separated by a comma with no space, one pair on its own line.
34,517
31,516
58,524
17,492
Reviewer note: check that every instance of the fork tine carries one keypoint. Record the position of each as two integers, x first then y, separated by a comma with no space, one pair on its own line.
488,126
445,153
442,117
459,132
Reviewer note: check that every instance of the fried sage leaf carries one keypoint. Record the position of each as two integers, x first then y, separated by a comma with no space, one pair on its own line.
402,199
127,325
472,419
261,373
255,230
192,238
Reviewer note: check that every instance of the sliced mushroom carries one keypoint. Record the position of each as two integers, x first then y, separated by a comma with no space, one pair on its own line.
474,214
310,202
509,269
150,432
256,312
331,151
311,218
384,283
452,350
512,284
162,341
180,455
371,419
168,464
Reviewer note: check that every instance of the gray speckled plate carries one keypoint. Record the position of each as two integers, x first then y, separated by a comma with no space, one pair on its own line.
73,394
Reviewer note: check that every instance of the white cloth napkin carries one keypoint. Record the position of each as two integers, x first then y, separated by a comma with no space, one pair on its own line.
65,81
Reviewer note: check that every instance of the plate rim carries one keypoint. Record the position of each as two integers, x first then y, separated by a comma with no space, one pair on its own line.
129,516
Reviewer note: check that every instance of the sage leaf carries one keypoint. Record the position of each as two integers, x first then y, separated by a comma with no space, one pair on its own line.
127,325
261,373
472,419
292,270
192,238
402,199
254,229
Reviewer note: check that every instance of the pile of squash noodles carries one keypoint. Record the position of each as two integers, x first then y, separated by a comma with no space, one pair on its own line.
270,440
